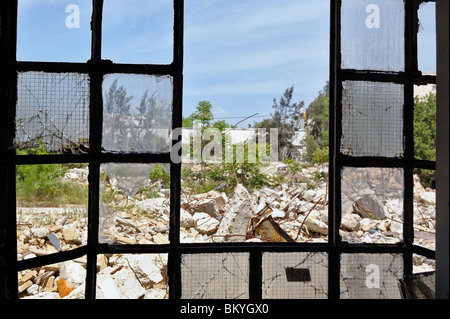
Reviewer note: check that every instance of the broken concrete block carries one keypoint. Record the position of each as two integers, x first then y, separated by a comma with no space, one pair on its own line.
235,221
370,206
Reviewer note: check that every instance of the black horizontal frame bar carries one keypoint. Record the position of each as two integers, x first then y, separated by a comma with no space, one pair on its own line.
103,66
87,158
395,77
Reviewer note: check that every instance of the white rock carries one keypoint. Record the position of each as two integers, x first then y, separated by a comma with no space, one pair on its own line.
72,272
276,213
205,224
351,222
40,232
186,219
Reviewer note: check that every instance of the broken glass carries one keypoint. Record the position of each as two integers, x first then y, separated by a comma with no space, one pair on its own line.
372,35
371,276
426,38
132,276
372,119
65,279
138,32
134,203
424,208
51,208
215,276
137,113
52,109
372,204
301,275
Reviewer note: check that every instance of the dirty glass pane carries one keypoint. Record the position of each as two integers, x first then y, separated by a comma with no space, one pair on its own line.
425,122
372,35
425,208
51,208
134,203
215,276
426,37
132,276
137,113
52,109
372,119
138,31
54,31
295,275
63,280
372,205
371,276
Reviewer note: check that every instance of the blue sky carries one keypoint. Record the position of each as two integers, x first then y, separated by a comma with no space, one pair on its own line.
239,55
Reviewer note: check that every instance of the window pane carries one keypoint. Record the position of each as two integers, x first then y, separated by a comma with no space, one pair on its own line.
137,113
295,275
53,110
138,31
426,38
52,202
54,31
372,119
215,276
371,276
372,35
134,203
372,205
132,276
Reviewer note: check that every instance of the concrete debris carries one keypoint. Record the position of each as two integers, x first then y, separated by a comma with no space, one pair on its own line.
295,211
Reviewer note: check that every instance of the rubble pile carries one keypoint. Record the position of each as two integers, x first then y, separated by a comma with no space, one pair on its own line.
295,211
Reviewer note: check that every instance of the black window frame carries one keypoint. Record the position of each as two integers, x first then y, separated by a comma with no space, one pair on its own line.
96,67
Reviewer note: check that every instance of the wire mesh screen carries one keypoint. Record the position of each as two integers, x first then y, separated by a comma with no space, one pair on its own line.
53,109
295,275
372,119
371,276
215,276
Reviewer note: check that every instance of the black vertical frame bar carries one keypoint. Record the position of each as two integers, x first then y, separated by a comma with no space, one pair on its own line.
333,162
174,258
8,84
95,140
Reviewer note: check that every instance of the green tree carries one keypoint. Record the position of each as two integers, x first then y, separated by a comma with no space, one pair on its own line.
317,126
425,135
285,113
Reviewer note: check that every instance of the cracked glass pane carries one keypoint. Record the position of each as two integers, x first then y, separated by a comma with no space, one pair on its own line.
215,276
371,276
132,276
372,119
53,110
372,205
295,275
137,113
372,35
134,203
